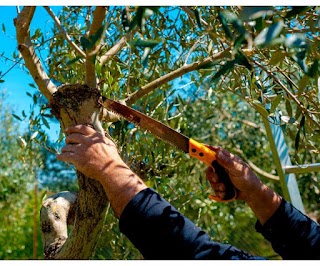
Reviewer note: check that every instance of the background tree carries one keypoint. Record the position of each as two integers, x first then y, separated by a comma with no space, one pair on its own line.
238,64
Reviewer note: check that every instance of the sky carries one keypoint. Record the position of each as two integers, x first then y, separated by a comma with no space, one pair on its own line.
17,80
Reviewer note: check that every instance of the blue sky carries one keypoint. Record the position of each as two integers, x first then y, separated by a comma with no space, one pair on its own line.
17,80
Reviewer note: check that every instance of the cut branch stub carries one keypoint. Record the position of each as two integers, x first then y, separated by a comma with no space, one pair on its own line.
77,104
57,212
73,105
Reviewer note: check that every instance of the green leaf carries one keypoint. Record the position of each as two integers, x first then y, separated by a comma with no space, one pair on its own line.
16,117
260,108
223,70
225,25
302,125
297,140
1,80
125,20
85,43
254,12
289,108
3,28
297,40
300,58
145,56
303,84
241,59
35,100
277,57
314,69
45,122
34,135
32,85
267,35
144,43
197,14
97,36
73,61
275,103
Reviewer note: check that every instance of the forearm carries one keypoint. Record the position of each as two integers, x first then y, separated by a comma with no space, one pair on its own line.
121,184
159,231
264,203
292,234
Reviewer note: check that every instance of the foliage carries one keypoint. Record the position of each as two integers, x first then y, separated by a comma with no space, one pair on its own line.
17,177
24,164
239,65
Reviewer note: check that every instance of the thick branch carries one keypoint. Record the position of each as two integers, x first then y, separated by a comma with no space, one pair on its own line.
174,74
72,105
25,46
64,33
113,50
99,15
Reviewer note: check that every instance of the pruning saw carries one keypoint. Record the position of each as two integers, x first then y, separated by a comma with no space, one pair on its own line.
188,145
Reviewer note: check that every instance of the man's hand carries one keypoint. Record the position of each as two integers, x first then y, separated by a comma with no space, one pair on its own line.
262,200
242,177
97,156
89,151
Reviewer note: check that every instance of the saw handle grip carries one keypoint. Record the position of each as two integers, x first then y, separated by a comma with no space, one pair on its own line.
208,156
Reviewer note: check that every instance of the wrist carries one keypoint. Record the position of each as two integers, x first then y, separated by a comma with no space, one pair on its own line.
263,202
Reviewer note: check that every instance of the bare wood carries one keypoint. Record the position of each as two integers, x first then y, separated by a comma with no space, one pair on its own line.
25,46
57,212
174,74
64,32
99,15
113,50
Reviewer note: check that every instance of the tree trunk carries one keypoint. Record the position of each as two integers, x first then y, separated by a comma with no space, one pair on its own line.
72,105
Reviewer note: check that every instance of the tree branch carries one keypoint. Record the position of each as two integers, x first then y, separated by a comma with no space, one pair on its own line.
174,74
99,15
292,96
64,33
25,46
191,14
113,50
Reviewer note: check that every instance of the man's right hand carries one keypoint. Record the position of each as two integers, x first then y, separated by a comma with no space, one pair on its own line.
262,200
242,177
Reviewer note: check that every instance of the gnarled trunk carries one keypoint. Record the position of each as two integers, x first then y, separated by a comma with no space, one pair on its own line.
72,105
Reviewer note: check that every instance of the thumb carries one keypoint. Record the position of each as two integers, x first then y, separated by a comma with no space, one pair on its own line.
66,157
223,157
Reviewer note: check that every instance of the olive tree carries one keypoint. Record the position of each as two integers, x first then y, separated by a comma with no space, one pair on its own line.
167,61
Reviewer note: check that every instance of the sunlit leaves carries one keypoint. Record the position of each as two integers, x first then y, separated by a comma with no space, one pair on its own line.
253,12
144,43
268,35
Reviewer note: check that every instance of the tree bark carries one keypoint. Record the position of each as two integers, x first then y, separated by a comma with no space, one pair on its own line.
72,105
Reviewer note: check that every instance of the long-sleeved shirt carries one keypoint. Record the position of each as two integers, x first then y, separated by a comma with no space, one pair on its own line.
159,231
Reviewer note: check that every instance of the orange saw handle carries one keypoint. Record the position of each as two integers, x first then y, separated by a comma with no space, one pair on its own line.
208,156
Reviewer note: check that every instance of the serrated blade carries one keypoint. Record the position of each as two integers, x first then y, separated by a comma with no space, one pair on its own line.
155,127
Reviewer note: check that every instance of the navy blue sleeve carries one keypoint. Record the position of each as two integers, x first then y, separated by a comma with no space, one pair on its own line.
292,234
159,231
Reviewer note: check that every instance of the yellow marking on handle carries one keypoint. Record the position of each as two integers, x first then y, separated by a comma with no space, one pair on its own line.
201,152
204,154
